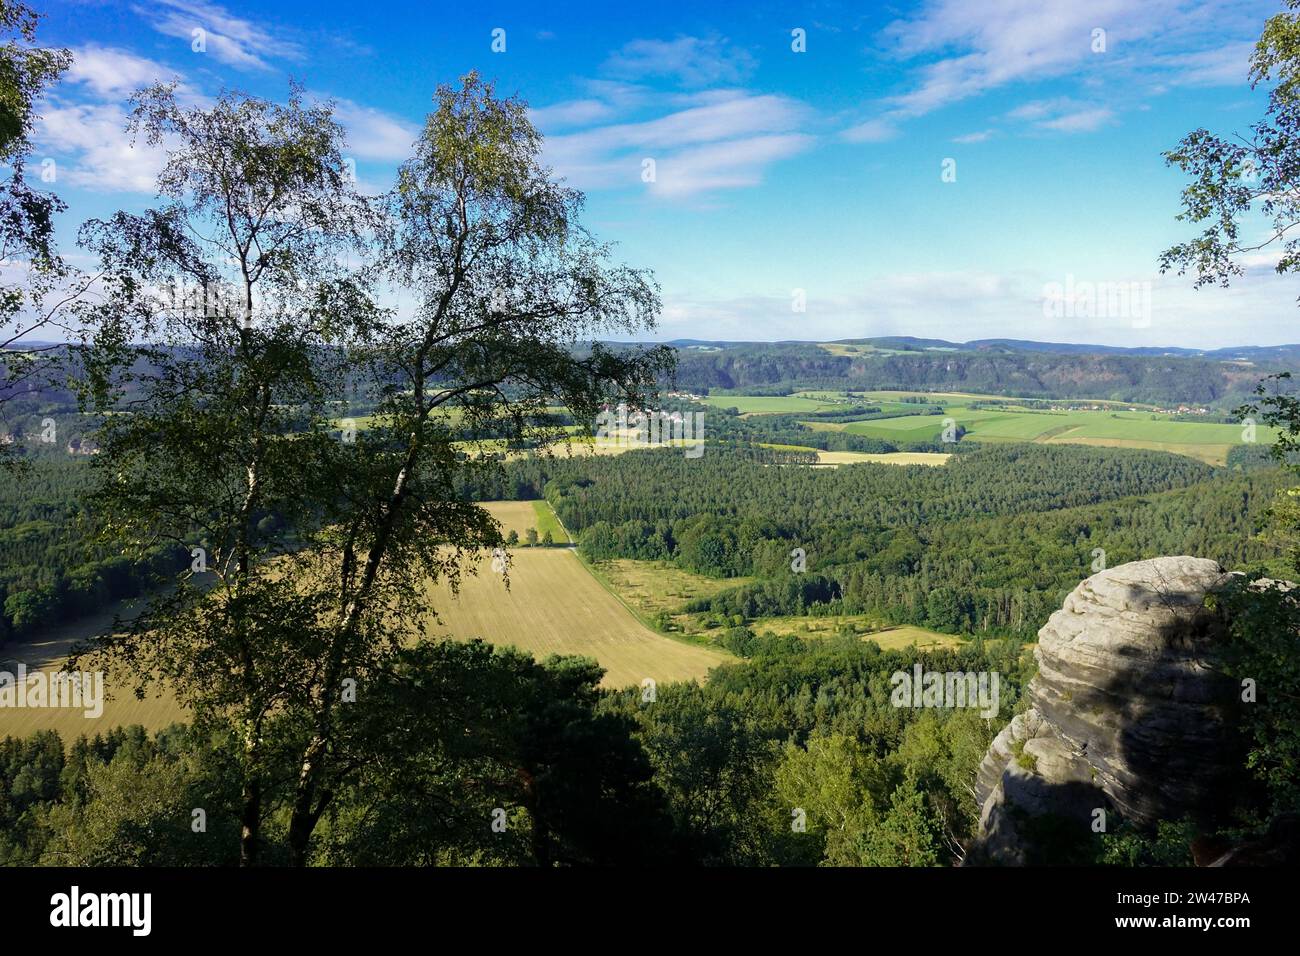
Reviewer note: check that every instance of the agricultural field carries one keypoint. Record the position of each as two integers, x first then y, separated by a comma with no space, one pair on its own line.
771,404
905,429
577,446
156,711
1206,441
833,459
555,606
121,707
955,398
889,637
519,516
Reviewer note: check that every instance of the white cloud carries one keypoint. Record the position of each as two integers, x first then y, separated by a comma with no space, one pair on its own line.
977,137
1081,121
1226,65
571,113
724,140
93,151
232,40
988,45
691,61
726,165
374,134
1063,115
871,131
114,74
963,50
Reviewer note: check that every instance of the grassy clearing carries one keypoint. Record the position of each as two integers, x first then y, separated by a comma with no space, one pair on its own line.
889,637
516,516
651,588
770,404
833,459
555,606
549,521
836,458
519,516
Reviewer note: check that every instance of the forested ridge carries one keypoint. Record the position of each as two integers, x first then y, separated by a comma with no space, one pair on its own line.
1128,378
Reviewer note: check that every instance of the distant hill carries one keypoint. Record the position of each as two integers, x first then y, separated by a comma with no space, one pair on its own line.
907,343
1221,377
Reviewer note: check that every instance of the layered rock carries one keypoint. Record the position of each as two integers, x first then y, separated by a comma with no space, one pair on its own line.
1127,716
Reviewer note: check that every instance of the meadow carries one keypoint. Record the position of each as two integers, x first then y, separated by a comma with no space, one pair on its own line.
889,637
654,588
772,404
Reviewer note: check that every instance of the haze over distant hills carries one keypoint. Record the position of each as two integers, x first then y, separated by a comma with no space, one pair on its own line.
1222,377
909,343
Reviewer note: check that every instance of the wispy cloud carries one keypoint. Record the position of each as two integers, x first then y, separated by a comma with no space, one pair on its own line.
724,140
374,134
958,50
581,112
690,61
233,40
1063,115
872,131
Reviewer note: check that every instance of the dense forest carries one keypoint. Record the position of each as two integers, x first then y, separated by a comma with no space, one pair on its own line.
52,568
988,543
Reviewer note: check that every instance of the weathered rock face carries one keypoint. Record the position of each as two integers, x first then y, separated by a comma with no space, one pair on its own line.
1127,714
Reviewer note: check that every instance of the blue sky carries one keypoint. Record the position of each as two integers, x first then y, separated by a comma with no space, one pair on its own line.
774,170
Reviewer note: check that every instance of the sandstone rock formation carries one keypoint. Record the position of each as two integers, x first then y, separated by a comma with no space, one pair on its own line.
1127,715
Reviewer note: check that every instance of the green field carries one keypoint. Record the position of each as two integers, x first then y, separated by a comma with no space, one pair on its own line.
651,588
770,404
547,521
889,637
908,428
955,398
1207,441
